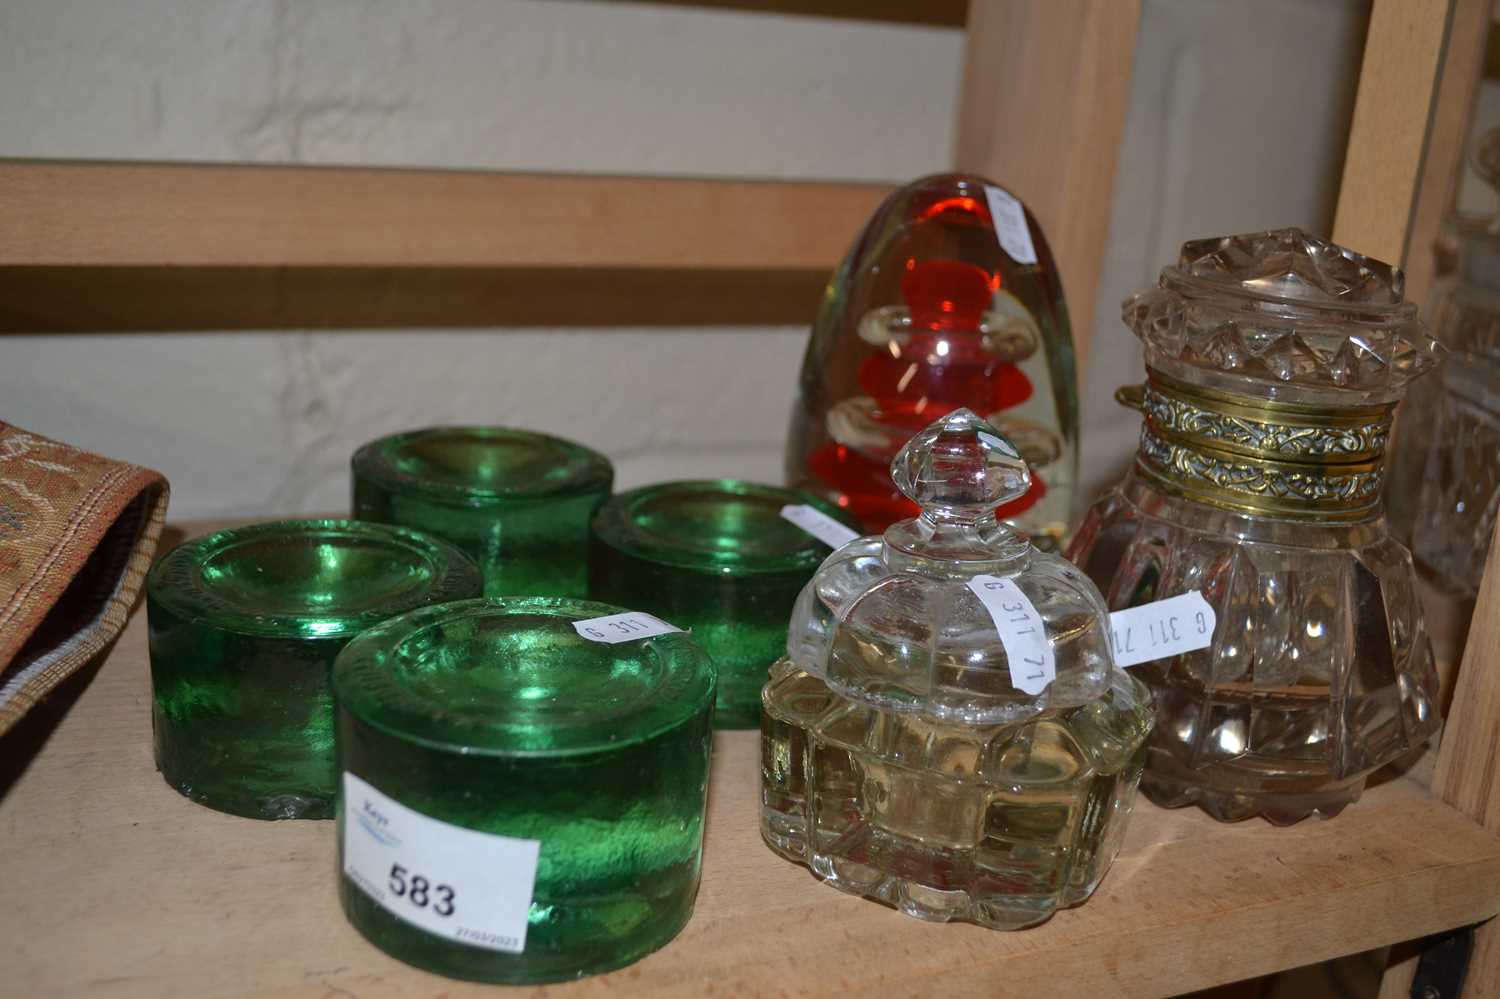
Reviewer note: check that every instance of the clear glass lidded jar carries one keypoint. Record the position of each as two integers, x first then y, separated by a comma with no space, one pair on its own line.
901,758
948,299
1274,362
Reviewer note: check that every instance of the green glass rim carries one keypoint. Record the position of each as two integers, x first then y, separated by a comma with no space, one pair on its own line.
439,462
390,570
454,677
715,526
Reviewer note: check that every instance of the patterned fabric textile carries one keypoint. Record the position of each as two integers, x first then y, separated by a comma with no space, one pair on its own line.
77,533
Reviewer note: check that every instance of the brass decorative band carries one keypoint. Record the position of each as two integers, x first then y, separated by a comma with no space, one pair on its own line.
1293,489
1198,417
1261,458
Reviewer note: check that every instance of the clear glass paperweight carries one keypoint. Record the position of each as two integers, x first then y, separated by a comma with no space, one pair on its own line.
244,625
1446,487
949,298
1274,363
518,502
1460,486
949,733
519,802
714,557
1463,306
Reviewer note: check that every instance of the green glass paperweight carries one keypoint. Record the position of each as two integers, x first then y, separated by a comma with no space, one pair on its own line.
517,502
717,558
244,625
523,786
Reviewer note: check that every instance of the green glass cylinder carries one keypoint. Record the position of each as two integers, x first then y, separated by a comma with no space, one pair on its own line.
717,558
244,625
498,717
517,502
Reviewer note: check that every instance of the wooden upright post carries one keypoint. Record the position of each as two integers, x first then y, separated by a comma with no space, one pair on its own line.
1046,84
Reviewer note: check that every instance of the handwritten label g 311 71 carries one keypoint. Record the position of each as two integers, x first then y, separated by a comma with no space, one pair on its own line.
1163,628
1022,633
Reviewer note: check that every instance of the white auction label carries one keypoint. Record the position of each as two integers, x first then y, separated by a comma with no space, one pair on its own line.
452,882
819,524
1022,633
1009,219
1164,628
627,627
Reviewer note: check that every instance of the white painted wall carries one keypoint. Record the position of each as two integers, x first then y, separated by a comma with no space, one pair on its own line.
1238,118
1236,122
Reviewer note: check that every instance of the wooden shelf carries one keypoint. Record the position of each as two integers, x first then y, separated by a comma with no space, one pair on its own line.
137,246
116,886
154,215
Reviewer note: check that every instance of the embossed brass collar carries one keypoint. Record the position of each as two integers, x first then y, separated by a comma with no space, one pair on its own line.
1260,457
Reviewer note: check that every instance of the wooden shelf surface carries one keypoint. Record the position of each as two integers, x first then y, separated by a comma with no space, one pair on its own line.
113,885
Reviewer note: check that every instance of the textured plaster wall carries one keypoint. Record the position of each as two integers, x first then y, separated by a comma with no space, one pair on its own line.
1236,122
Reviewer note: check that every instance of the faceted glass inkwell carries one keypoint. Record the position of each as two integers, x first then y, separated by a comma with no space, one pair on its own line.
499,721
716,558
244,625
1274,363
948,299
901,758
517,502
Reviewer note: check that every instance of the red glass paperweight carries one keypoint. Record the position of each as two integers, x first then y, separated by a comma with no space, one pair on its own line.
949,299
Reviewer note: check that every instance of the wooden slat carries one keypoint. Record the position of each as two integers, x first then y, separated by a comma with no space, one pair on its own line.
1046,85
1397,81
1468,767
1447,139
148,215
934,13
114,299
116,886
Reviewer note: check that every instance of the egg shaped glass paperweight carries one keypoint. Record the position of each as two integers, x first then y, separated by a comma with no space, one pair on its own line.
520,803
518,502
244,625
714,557
948,299
1274,363
949,733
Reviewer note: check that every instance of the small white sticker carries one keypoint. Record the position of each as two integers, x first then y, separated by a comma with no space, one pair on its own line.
1009,219
1022,633
452,882
627,627
819,524
1164,628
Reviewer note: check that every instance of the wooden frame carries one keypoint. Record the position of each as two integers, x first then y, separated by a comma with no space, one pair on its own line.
161,216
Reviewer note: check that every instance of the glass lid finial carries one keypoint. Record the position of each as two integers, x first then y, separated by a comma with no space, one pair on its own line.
960,468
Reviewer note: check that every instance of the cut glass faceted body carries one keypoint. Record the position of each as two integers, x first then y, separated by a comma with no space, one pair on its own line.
899,760
1274,362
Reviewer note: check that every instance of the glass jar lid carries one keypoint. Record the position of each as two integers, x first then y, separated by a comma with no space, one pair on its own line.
482,464
719,526
309,579
1283,309
513,677
893,621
